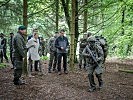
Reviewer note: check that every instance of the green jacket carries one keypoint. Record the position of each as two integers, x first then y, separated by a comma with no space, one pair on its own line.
19,46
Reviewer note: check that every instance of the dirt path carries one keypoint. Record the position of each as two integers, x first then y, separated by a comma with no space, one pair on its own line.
74,86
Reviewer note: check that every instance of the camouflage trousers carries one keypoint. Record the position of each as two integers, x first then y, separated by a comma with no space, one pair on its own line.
91,68
53,60
82,60
18,64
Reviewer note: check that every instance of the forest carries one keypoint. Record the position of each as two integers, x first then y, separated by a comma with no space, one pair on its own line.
112,19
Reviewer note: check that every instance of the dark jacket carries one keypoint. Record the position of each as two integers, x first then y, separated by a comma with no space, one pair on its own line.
3,43
61,42
10,43
19,46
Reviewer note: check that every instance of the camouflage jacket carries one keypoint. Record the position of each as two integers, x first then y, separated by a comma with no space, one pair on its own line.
10,43
82,44
19,46
96,51
51,45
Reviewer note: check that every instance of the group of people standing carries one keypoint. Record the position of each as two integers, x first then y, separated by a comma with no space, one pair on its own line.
58,49
92,54
21,47
3,48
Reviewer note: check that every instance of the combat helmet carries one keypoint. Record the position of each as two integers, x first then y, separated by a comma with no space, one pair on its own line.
91,39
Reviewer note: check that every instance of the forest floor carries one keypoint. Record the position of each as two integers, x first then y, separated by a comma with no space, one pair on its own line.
73,86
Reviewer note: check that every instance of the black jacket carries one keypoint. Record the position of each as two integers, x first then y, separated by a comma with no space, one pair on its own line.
61,42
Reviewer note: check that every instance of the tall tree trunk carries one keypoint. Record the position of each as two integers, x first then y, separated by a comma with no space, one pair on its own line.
72,34
66,10
123,20
102,14
85,17
25,8
25,23
76,29
57,14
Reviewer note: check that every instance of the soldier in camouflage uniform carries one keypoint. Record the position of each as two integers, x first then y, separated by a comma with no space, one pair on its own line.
11,48
82,44
94,65
42,47
3,44
19,52
53,52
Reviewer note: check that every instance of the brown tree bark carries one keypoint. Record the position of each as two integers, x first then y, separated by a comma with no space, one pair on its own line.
72,34
57,13
25,23
85,17
66,11
76,29
25,8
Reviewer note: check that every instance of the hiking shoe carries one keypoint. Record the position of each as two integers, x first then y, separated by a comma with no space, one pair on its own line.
92,89
19,82
101,86
49,71
59,73
66,72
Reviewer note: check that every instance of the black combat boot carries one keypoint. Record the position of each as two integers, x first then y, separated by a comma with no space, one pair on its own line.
49,69
92,83
84,66
54,68
99,77
79,66
18,82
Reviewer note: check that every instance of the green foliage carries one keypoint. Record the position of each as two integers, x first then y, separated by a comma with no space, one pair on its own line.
2,65
104,18
44,58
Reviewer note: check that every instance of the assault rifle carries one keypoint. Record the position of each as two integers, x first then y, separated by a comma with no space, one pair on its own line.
92,55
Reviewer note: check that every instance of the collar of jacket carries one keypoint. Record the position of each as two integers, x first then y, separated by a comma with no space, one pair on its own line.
61,37
35,40
21,35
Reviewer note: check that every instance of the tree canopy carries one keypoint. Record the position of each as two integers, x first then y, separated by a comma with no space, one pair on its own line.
111,18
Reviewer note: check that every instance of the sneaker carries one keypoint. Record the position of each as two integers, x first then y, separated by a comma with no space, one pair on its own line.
101,86
49,71
66,72
92,89
54,69
59,73
31,76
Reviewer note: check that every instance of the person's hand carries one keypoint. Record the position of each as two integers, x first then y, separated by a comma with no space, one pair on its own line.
62,48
